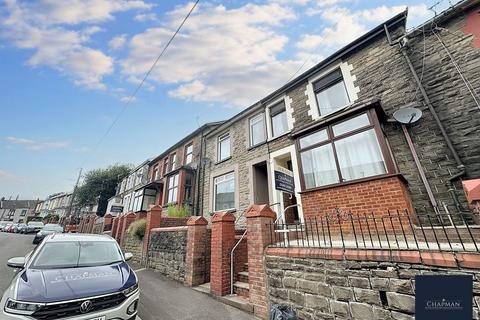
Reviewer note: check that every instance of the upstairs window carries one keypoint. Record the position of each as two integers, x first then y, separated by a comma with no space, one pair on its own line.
165,166
224,147
331,93
345,151
278,116
189,153
155,173
172,191
257,130
173,161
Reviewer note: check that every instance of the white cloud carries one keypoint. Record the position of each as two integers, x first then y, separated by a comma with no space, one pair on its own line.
35,145
117,42
6,176
309,42
144,17
222,55
42,26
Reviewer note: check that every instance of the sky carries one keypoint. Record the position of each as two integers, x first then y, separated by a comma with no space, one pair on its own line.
67,69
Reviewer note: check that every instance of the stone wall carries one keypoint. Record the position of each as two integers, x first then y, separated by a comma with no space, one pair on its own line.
97,228
135,246
345,289
167,251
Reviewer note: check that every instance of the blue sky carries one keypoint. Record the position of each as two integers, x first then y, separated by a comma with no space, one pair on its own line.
67,68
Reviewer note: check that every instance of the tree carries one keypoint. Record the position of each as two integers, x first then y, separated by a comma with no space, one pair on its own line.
100,185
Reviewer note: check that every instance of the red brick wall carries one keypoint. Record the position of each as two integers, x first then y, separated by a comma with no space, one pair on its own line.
377,196
173,222
241,255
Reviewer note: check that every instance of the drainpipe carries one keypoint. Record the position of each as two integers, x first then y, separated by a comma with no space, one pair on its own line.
197,178
403,43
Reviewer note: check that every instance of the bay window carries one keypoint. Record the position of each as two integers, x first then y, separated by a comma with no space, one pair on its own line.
278,116
172,191
257,130
224,192
344,151
331,93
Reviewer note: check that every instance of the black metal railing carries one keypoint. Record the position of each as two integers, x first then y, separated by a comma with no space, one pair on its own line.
392,230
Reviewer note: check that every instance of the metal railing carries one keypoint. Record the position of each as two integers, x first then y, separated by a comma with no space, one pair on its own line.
393,230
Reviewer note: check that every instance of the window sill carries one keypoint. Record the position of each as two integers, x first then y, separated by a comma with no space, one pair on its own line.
341,184
257,145
223,160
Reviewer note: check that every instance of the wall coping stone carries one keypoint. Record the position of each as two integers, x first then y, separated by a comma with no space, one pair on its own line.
257,210
197,221
469,260
224,216
170,229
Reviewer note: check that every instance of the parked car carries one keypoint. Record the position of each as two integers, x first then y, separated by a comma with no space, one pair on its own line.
21,228
49,228
34,226
6,227
72,276
11,227
2,225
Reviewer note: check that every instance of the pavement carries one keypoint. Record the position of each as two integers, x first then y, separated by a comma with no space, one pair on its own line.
160,297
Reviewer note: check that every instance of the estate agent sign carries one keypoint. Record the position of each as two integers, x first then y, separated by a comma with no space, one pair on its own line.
284,180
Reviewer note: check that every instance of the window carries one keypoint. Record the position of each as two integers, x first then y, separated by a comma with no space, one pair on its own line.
165,166
224,147
172,189
188,187
257,130
126,203
224,192
331,93
137,200
189,153
149,196
155,173
24,212
173,161
342,152
278,116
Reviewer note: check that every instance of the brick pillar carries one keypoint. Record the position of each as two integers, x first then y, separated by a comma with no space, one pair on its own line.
107,219
141,215
129,218
195,273
223,240
114,226
259,218
154,215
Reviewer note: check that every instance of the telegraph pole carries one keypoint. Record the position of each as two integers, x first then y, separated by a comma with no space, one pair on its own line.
73,193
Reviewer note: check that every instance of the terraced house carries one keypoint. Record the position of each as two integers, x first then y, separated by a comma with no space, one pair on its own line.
333,128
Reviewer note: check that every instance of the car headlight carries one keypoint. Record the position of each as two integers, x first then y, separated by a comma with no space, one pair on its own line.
19,307
127,292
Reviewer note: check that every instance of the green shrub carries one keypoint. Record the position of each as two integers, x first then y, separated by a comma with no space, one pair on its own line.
178,212
137,229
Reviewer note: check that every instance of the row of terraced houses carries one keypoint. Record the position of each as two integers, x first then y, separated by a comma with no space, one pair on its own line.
375,149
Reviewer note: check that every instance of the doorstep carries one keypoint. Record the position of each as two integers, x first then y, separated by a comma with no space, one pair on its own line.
231,299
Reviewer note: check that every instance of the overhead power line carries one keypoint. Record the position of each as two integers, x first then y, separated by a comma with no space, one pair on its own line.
147,74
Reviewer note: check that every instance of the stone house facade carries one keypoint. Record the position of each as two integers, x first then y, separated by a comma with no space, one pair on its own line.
16,211
333,128
173,175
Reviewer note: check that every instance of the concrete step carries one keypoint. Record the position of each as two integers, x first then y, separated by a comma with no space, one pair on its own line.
242,276
205,288
242,289
237,301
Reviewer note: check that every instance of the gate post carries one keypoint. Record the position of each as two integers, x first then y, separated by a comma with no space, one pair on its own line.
196,250
259,218
223,240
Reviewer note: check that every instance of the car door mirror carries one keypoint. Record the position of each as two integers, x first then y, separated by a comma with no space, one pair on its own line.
17,262
128,256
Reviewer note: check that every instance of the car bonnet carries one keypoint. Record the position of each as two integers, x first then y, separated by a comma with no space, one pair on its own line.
52,285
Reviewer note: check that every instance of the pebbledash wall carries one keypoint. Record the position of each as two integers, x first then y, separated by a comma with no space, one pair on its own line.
340,287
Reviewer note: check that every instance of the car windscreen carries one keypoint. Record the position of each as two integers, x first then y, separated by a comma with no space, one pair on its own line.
35,224
74,254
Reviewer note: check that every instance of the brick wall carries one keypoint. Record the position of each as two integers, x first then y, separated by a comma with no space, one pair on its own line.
167,251
166,222
321,288
375,196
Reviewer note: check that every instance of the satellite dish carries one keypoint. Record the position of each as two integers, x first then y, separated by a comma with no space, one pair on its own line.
407,115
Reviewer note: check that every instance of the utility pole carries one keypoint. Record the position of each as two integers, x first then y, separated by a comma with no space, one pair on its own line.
74,192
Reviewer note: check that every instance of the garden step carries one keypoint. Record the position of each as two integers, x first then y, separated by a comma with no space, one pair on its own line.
242,289
242,276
